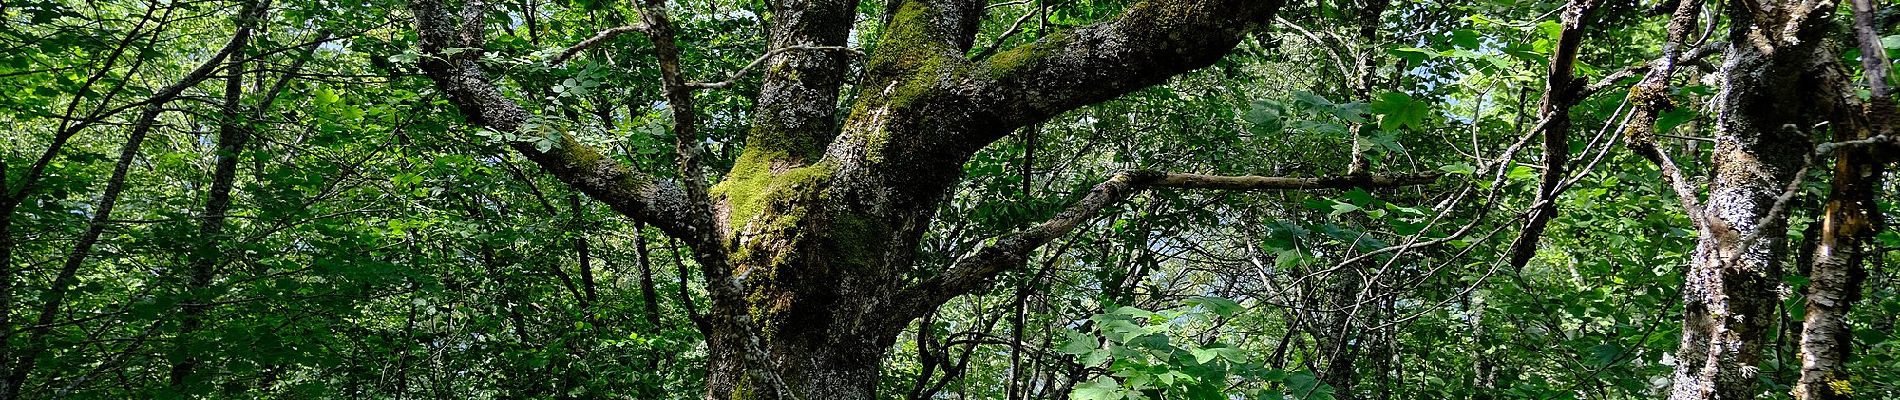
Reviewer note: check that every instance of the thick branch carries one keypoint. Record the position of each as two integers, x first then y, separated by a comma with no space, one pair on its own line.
796,107
974,271
626,191
1146,45
1560,93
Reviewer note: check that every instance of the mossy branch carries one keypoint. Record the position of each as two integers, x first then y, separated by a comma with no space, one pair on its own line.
469,88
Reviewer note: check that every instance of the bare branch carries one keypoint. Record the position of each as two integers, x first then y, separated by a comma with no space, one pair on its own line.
1014,28
974,271
598,38
741,73
1882,140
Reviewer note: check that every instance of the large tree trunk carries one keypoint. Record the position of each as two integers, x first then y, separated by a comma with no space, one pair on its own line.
808,243
1765,114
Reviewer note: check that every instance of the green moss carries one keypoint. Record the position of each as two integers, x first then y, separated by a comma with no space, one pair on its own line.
1010,61
752,188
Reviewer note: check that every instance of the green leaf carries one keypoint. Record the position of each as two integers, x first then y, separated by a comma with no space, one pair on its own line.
1265,115
1080,343
1604,354
1217,305
1398,110
1520,172
1340,208
1669,120
1459,168
1305,386
1413,55
1203,356
1100,388
1465,38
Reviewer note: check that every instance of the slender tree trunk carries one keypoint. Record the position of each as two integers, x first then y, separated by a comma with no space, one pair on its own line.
1837,272
6,288
55,296
6,300
233,135
583,254
648,293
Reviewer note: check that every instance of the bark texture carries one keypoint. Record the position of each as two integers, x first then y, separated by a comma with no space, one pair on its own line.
808,242
1850,220
1765,114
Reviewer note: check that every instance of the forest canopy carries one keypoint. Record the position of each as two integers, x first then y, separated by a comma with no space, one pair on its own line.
948,199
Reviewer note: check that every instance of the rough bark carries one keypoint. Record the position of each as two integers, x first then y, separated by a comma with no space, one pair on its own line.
1851,217
1764,115
1561,91
1850,221
817,225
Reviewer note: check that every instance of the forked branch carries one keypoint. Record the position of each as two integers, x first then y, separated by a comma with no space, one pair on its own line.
975,270
458,75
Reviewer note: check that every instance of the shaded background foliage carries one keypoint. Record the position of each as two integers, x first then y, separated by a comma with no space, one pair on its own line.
378,248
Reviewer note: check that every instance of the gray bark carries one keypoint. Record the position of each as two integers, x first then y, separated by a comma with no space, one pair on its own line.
1761,148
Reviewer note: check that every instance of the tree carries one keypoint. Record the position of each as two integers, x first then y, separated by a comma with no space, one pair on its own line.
807,235
1030,199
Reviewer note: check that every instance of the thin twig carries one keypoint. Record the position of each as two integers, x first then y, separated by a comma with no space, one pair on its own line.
598,38
760,61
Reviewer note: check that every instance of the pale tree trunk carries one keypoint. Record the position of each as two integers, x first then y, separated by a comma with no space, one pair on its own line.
1765,114
1851,218
1835,277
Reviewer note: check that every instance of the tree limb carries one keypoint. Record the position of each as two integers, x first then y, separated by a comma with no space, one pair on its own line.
1151,42
761,60
974,271
458,75
598,38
